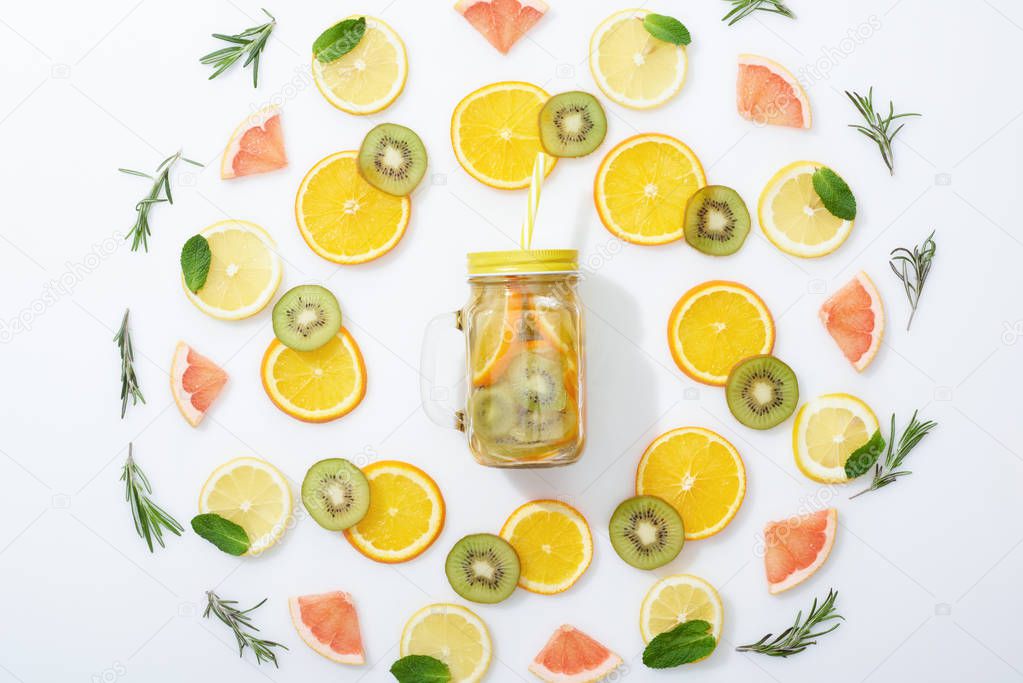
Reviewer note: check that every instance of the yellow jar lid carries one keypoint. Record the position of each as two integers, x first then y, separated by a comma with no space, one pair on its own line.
523,261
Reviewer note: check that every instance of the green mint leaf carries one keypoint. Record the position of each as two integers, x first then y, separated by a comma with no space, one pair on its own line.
668,29
864,457
687,642
339,39
223,533
195,262
420,669
837,197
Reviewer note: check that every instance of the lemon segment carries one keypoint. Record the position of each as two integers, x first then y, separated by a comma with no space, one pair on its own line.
793,216
370,77
253,494
677,599
827,430
452,634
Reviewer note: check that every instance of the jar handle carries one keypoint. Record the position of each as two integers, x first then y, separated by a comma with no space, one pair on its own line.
437,397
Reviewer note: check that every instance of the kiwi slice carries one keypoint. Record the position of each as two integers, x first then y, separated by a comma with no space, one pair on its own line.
336,493
493,411
483,568
393,159
572,124
544,426
762,391
646,532
536,382
306,317
717,220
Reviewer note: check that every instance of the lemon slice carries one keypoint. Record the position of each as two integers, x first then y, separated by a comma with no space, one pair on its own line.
452,634
253,494
244,271
632,67
794,217
368,78
676,599
826,432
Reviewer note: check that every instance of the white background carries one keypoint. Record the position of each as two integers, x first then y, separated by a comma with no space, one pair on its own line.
928,569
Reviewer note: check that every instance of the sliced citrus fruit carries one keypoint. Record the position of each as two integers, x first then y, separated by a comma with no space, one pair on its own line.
406,513
827,431
767,93
793,216
496,134
677,599
253,494
642,187
329,624
854,317
452,634
256,146
315,386
502,22
699,473
633,68
343,218
493,330
244,271
553,542
370,77
714,326
571,656
195,381
795,548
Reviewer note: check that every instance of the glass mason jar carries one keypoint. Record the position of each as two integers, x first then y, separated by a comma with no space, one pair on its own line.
525,398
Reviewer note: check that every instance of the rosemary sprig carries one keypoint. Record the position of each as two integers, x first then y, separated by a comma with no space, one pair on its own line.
150,518
743,8
886,473
241,623
912,267
801,634
129,382
159,192
877,124
249,44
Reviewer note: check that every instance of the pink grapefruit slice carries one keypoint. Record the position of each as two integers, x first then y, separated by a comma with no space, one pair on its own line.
767,93
502,22
797,547
854,317
329,624
571,656
196,382
256,146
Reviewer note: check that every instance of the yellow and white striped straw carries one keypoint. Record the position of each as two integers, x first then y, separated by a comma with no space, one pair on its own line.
526,234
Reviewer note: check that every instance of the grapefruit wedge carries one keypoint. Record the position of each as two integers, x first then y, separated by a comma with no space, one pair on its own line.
571,656
502,22
329,624
256,146
854,317
767,93
795,548
196,382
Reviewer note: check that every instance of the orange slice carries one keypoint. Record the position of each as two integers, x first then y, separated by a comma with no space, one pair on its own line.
795,548
643,185
714,326
195,382
315,386
767,93
493,331
553,542
854,317
699,473
405,516
343,218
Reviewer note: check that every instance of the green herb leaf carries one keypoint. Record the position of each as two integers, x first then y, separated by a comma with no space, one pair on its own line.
835,193
195,262
339,39
687,642
668,29
223,533
420,669
864,457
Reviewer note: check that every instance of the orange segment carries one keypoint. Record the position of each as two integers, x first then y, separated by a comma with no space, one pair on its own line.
406,513
492,331
315,386
256,146
767,93
195,381
854,317
642,187
795,548
699,473
714,326
343,218
553,542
